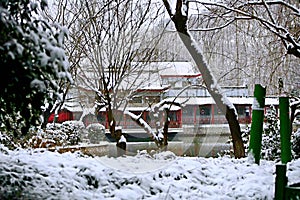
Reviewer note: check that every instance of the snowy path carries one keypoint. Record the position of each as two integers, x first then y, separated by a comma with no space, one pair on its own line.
48,175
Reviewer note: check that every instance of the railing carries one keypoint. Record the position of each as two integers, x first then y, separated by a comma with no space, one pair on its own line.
282,189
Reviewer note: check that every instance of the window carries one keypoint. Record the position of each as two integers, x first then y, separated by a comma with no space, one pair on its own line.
152,99
172,116
241,110
204,110
136,100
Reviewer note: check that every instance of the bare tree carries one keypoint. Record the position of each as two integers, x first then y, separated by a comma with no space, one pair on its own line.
180,17
257,41
110,44
160,114
255,29
66,14
279,17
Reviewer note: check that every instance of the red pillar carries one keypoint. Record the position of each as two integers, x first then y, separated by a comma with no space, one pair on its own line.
195,112
212,114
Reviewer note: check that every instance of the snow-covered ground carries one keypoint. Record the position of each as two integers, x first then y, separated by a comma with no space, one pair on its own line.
40,174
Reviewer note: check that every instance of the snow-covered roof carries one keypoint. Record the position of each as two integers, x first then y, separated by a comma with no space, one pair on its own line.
147,76
150,76
76,107
176,69
235,100
73,106
146,79
133,109
154,88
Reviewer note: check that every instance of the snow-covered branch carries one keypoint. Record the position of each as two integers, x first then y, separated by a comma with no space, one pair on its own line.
295,108
215,28
262,11
276,2
140,121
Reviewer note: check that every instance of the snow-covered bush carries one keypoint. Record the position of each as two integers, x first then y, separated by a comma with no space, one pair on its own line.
7,140
67,133
96,132
270,149
246,137
40,140
296,144
38,174
31,52
55,133
73,129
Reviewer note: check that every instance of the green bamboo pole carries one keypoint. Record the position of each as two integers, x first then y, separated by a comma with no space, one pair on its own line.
257,121
285,130
280,181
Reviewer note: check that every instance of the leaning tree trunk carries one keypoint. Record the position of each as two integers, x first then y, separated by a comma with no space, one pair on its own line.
180,20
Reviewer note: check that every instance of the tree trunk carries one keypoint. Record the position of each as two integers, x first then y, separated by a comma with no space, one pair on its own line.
46,116
116,134
121,145
165,130
235,130
180,21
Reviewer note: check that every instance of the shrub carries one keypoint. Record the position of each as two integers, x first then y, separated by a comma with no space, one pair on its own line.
270,149
296,144
96,132
67,133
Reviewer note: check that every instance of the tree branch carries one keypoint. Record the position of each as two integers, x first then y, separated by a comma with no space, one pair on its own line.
180,20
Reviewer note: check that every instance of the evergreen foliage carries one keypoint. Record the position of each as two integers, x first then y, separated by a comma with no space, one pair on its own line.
296,144
270,149
35,63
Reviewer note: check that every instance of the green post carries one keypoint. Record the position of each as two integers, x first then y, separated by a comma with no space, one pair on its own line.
257,121
280,182
285,130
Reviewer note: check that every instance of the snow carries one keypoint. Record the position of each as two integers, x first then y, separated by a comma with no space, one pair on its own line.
122,139
143,123
39,85
227,102
173,69
87,111
234,100
295,103
160,136
41,174
184,10
43,59
256,105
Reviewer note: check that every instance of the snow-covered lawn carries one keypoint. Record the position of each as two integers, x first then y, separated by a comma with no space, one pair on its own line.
40,174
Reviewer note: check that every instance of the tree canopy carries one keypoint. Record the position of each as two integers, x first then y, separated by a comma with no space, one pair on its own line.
33,64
